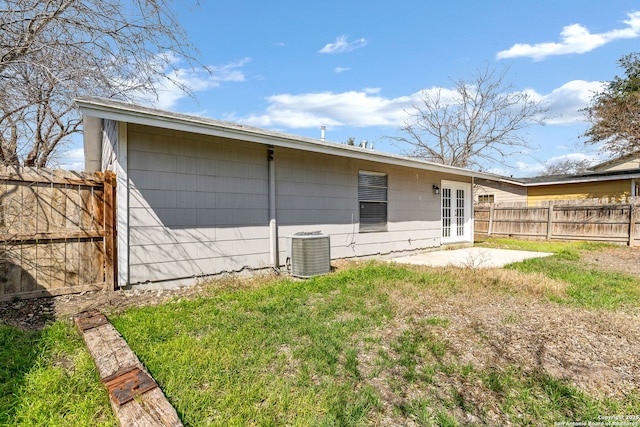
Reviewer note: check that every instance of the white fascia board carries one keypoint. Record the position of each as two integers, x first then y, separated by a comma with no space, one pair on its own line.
585,180
132,114
568,181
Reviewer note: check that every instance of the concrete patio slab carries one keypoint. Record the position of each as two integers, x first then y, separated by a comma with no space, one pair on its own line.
469,257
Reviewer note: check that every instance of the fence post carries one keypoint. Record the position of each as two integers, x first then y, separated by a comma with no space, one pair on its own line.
632,225
490,228
110,258
550,222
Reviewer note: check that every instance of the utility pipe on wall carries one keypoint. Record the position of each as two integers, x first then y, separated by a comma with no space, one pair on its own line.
273,226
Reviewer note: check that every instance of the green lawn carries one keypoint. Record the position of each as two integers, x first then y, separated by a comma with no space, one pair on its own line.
357,347
47,378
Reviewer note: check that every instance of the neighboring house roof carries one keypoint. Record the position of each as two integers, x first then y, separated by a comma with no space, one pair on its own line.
572,178
581,177
131,113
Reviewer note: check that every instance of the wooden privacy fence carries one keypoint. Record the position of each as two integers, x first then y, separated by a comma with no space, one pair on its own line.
591,220
57,232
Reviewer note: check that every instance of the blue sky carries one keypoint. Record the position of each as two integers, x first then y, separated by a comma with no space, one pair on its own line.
356,66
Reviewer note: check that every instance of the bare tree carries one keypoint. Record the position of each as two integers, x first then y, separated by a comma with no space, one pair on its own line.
478,122
566,167
54,50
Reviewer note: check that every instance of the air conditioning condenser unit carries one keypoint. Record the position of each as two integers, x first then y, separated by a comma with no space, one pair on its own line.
309,254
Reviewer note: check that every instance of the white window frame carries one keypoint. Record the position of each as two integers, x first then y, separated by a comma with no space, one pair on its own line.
491,197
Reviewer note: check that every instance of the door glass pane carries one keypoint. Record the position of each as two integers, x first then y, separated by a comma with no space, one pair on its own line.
459,212
446,212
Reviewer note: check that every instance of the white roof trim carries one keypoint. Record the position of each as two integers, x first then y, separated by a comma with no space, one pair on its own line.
131,113
620,177
581,180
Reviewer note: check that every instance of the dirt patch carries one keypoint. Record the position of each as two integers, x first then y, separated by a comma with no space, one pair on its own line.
595,350
615,259
523,336
38,312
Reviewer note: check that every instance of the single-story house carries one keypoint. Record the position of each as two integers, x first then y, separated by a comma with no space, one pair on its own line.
198,197
616,179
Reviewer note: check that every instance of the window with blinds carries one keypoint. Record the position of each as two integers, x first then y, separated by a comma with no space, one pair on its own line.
372,197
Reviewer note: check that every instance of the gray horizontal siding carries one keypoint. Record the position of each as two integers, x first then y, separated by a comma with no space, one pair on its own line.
162,235
320,193
199,209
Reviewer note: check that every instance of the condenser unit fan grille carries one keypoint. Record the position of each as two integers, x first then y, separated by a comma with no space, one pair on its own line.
309,254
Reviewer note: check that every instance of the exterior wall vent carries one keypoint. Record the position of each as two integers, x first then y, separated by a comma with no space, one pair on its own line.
308,254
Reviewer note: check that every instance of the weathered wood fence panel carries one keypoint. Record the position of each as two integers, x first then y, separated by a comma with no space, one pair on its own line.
592,220
57,232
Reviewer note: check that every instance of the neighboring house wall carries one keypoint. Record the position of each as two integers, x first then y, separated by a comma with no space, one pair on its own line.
616,189
502,192
630,165
621,165
198,204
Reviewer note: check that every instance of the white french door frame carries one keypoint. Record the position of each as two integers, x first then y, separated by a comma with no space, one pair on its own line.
456,208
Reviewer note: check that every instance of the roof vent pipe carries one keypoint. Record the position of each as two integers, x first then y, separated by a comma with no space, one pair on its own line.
363,143
322,129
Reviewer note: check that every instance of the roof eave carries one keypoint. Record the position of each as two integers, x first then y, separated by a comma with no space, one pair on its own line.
586,180
571,181
130,113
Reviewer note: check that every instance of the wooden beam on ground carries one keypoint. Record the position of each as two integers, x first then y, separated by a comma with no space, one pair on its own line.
115,360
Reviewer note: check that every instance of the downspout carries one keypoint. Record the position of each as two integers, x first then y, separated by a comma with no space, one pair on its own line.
273,226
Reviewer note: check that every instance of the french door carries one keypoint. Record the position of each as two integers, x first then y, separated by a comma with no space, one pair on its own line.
456,212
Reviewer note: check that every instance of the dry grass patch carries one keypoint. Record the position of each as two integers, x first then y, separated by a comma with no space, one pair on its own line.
463,341
496,317
411,297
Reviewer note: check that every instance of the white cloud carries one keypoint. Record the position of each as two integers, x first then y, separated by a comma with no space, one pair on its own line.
574,38
528,169
368,107
566,101
69,159
500,171
339,70
354,108
195,80
342,45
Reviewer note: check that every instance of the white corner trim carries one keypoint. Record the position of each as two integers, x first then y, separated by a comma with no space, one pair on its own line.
122,205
